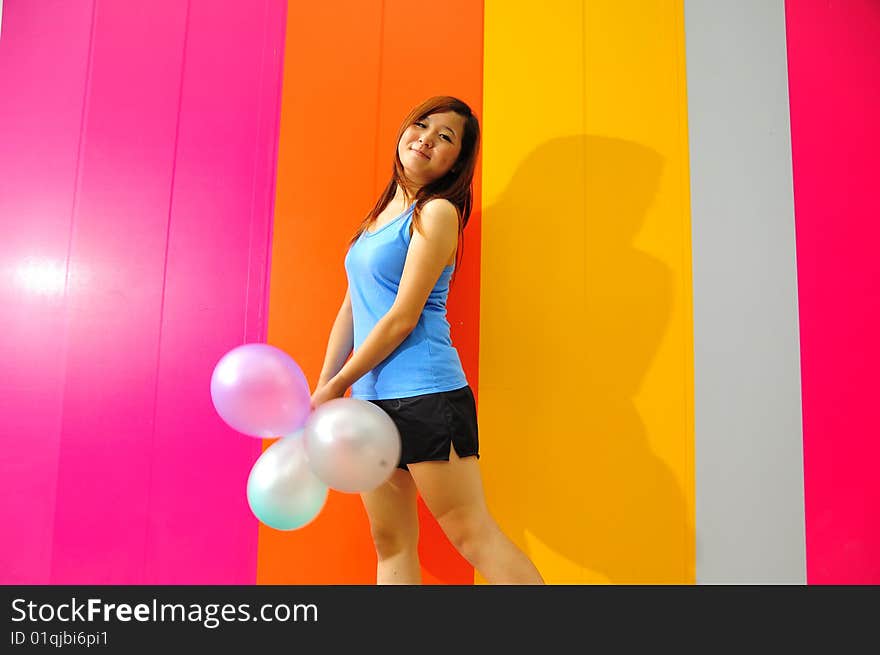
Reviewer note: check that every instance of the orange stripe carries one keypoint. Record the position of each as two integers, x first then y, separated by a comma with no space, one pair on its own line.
339,118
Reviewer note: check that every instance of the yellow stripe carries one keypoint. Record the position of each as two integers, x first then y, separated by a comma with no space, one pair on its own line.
586,382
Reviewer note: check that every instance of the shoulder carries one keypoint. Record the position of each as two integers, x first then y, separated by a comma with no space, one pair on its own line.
440,207
438,216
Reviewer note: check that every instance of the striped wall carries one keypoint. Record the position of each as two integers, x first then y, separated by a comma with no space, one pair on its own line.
585,315
834,68
338,126
749,473
665,308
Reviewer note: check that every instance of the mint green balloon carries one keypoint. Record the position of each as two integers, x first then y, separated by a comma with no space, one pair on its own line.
282,491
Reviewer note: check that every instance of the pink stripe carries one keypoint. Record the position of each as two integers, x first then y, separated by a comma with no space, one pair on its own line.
43,68
834,68
115,294
116,468
217,257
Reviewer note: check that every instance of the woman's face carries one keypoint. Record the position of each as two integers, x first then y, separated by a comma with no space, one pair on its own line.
429,147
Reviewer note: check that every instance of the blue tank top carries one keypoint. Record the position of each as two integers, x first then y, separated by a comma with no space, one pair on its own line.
426,361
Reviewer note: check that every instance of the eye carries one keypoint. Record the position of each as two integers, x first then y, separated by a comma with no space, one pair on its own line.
444,136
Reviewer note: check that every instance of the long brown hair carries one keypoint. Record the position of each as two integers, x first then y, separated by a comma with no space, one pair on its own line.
456,186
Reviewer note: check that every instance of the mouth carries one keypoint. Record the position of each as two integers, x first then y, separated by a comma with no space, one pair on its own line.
420,153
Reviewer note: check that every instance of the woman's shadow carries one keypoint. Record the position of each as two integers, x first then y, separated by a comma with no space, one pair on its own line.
571,472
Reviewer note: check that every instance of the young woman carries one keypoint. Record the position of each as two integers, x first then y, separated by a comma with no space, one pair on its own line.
393,317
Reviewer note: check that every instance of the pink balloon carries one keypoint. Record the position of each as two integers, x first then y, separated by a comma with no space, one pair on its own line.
258,390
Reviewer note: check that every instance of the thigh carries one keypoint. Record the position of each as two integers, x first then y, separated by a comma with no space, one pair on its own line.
453,490
391,507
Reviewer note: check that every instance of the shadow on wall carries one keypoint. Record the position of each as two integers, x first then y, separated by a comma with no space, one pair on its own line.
567,459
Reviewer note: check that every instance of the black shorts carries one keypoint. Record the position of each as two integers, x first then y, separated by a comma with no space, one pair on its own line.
429,423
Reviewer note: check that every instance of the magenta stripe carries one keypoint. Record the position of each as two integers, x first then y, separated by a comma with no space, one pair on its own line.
115,294
43,69
168,239
220,211
152,461
834,68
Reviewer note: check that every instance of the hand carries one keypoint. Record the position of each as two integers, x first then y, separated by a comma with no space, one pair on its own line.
328,391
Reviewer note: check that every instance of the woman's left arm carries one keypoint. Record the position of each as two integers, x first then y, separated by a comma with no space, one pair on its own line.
425,261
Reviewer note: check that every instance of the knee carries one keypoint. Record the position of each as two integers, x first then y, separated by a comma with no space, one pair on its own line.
390,541
471,534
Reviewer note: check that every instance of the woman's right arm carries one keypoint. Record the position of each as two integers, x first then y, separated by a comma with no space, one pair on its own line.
340,343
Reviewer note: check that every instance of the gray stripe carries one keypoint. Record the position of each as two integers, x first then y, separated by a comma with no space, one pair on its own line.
749,461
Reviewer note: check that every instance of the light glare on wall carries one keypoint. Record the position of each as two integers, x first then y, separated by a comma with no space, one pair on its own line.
40,276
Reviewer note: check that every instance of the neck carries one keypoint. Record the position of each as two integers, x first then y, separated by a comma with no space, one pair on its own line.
405,196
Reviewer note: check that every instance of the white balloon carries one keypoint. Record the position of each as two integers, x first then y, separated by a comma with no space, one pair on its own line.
352,445
282,491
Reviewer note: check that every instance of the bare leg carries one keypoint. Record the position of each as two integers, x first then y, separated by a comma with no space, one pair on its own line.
394,525
453,491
